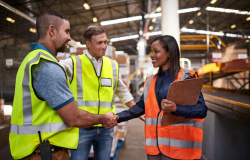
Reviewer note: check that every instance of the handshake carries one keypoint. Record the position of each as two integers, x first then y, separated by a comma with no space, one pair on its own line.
109,120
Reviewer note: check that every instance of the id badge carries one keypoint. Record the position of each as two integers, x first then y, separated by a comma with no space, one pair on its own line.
106,82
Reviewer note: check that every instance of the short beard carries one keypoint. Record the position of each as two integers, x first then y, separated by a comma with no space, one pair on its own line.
62,48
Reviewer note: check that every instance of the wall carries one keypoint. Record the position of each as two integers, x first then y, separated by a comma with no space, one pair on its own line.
225,139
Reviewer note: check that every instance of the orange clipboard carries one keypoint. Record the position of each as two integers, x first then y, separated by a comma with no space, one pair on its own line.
183,93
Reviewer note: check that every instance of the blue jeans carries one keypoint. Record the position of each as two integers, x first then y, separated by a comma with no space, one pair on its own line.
101,139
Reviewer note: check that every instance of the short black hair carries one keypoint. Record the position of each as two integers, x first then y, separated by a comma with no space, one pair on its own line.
170,45
47,18
93,30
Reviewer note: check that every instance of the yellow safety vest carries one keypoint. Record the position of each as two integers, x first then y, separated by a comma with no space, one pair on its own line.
92,93
30,114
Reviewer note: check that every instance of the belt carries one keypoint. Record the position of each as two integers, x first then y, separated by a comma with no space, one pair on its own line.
91,128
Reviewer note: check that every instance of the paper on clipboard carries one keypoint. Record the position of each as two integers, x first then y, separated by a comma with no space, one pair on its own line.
183,93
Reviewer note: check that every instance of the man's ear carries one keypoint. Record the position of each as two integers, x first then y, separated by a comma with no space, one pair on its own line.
52,31
88,44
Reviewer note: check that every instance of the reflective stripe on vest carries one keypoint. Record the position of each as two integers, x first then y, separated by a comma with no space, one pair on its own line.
43,128
94,103
191,123
30,114
174,143
27,108
27,127
161,139
80,101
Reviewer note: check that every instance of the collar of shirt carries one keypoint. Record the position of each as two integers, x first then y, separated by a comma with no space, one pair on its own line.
93,58
38,45
165,73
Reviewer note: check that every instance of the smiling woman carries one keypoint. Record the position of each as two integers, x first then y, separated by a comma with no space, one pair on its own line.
166,54
176,141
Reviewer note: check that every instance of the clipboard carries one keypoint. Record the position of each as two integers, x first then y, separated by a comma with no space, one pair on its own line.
183,93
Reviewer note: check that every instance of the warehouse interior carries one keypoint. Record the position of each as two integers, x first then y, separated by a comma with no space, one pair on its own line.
214,41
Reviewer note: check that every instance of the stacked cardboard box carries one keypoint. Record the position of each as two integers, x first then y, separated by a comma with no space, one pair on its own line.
124,71
78,51
4,134
4,128
124,67
110,52
1,111
122,127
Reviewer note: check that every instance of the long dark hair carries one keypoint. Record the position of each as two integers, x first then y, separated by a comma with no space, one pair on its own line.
170,45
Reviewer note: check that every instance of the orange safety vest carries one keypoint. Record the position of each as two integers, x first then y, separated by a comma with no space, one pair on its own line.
179,140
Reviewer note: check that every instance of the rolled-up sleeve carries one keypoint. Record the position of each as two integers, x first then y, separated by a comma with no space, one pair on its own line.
122,91
67,65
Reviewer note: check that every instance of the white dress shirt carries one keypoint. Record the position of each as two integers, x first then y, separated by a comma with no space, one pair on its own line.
121,91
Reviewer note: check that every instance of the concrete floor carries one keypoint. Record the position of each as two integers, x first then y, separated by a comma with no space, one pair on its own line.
133,148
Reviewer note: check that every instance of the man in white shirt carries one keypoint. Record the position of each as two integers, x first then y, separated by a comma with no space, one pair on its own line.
101,138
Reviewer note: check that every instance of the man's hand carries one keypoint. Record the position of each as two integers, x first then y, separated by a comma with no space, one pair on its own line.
110,120
168,106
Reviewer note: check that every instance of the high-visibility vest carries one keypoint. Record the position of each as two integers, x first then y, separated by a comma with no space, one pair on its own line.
92,93
178,141
31,114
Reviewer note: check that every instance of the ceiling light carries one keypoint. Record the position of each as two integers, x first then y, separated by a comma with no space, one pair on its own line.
153,15
10,20
215,9
191,22
188,10
233,26
152,33
86,6
124,38
158,9
248,18
95,19
32,30
213,1
201,31
213,33
150,28
218,46
199,13
140,32
184,27
135,18
121,20
154,20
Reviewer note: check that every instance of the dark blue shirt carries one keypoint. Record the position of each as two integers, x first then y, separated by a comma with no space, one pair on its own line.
162,84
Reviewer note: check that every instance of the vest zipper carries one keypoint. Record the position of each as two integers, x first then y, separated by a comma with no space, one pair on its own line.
98,95
157,132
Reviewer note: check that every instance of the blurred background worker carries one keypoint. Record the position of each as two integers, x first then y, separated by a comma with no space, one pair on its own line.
43,101
176,141
95,78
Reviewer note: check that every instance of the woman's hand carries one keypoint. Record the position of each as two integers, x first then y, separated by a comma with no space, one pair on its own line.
168,106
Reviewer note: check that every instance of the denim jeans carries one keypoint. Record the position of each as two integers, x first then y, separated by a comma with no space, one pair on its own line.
101,139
